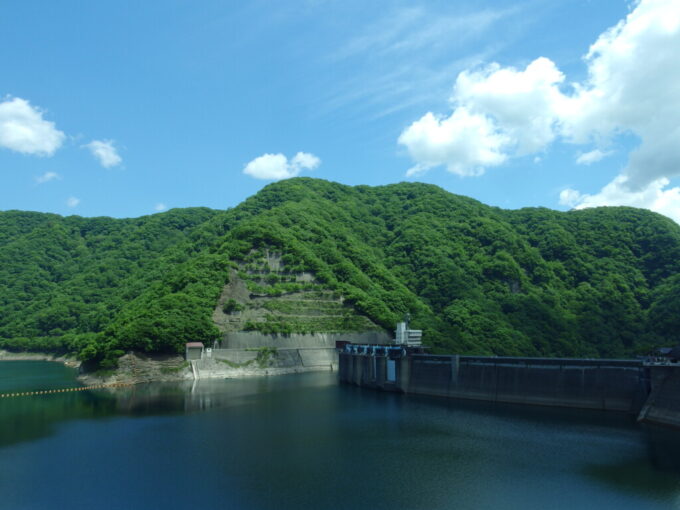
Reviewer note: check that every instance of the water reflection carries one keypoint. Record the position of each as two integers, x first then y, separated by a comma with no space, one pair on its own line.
636,475
663,447
31,417
196,396
662,444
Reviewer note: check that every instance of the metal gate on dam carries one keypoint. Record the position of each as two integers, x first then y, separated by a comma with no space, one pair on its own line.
651,392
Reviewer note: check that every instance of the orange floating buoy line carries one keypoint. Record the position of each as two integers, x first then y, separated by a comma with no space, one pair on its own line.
65,390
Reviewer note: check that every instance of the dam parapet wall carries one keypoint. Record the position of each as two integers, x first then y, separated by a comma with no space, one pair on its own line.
652,392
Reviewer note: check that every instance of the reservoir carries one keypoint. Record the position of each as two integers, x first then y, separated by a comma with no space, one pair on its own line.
304,441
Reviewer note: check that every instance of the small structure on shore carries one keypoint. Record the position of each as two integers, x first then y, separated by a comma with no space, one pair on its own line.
405,336
194,351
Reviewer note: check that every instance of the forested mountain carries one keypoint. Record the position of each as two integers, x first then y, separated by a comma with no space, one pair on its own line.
476,279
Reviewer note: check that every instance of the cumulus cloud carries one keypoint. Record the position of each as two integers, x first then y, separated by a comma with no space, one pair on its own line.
47,177
105,152
631,88
72,202
497,113
656,196
525,104
591,157
569,197
465,143
160,207
277,166
634,69
23,129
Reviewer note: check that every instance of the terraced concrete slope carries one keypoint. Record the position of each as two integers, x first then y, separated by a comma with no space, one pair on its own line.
267,304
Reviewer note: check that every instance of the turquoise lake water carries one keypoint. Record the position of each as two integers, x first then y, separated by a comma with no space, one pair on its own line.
303,441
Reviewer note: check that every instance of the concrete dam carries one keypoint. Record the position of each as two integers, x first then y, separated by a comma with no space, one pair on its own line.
650,391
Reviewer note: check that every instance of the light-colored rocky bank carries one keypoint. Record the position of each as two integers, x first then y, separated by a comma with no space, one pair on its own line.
138,367
132,367
39,356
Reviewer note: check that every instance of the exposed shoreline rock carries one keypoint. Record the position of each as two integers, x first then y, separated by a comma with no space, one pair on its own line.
140,368
69,361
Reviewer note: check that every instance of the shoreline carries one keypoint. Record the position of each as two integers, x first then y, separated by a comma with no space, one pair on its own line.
136,368
132,367
67,360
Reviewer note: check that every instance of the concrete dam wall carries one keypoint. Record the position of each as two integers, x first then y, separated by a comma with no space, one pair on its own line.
612,385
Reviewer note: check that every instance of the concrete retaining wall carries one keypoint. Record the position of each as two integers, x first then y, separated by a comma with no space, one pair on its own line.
247,339
243,362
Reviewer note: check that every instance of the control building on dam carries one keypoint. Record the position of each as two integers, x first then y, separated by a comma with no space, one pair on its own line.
650,391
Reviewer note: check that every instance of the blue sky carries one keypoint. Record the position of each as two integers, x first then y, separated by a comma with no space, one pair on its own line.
127,108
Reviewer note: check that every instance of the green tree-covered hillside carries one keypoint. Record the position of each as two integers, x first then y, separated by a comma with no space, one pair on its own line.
477,279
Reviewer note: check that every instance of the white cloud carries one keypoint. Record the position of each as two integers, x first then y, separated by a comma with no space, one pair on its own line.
569,197
632,88
497,113
655,196
160,207
105,152
634,71
72,202
23,129
525,104
464,142
47,177
591,157
305,160
277,166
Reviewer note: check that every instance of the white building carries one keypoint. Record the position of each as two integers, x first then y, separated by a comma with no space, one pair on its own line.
405,336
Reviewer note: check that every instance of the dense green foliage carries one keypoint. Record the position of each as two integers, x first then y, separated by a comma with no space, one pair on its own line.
477,279
99,285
